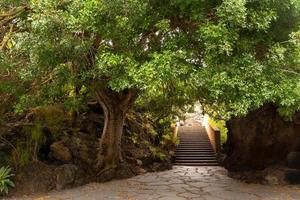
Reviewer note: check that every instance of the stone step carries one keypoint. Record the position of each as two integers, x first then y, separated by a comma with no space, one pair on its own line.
195,148
195,151
195,142
199,138
200,155
196,164
194,136
195,158
195,154
194,145
178,152
191,145
195,161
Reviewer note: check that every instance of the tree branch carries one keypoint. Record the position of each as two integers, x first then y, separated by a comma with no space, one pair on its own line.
129,97
5,75
11,15
7,37
291,72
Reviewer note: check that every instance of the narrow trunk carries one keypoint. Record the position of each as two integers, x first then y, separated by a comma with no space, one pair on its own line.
110,144
115,106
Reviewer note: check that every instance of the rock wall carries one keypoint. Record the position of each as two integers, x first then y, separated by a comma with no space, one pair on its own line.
261,139
68,159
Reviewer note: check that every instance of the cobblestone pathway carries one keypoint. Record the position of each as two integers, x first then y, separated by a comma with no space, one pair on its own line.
181,183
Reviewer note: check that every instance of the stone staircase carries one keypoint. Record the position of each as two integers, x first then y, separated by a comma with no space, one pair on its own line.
194,148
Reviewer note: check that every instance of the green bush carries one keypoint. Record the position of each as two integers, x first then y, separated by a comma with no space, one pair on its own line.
53,117
221,125
157,153
27,147
5,182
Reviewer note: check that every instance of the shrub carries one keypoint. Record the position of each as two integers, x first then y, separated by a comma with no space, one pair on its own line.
221,125
157,153
53,117
27,147
5,182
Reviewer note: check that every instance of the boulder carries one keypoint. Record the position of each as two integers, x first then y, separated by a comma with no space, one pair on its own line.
274,175
124,171
34,177
83,147
106,175
292,176
261,139
65,176
147,160
161,166
272,180
139,162
141,171
60,152
293,160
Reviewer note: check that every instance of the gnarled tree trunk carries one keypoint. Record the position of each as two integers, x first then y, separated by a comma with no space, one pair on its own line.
115,105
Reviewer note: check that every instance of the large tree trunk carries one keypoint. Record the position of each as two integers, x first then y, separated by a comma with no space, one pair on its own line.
115,105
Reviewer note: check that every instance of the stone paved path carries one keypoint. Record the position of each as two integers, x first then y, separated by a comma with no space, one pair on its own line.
181,183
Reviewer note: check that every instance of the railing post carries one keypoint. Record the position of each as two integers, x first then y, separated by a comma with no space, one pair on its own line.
175,132
213,135
217,141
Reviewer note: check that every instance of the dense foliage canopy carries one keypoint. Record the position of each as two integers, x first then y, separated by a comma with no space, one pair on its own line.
252,54
232,55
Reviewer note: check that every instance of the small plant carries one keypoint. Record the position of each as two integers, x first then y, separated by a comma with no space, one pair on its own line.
27,147
5,182
157,153
220,124
134,138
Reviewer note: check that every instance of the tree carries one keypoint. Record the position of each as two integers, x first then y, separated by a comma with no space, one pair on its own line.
113,50
9,12
229,54
252,54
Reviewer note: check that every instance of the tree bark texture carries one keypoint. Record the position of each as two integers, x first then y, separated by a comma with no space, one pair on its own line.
115,105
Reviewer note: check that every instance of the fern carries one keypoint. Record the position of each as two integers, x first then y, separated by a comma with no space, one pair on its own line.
5,182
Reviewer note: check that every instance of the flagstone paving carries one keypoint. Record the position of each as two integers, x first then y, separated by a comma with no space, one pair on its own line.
180,183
